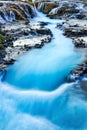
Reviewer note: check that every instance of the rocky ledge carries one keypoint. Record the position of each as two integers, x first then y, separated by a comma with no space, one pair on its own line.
77,31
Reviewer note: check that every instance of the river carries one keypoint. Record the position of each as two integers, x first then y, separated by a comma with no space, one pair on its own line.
34,94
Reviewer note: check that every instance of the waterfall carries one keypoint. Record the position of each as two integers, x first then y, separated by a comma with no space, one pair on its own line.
9,17
11,11
28,10
12,16
34,94
2,21
25,10
41,6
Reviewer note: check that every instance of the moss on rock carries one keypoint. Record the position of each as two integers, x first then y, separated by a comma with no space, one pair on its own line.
31,3
1,46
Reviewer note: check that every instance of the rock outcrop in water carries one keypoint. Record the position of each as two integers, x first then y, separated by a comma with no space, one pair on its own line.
79,73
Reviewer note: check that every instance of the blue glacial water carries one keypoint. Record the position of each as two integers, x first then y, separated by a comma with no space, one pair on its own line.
35,95
46,68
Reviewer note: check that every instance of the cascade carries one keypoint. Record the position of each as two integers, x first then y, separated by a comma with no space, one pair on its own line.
34,94
13,11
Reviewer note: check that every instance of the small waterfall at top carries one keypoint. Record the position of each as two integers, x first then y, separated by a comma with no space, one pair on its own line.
13,11
2,21
35,6
7,16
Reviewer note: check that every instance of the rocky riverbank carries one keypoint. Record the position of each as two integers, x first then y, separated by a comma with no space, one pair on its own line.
21,39
19,35
77,30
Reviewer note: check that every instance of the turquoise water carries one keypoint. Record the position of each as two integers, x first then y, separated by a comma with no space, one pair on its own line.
34,94
46,68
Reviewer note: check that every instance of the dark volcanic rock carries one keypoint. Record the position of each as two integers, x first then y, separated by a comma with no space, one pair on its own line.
78,73
44,31
77,30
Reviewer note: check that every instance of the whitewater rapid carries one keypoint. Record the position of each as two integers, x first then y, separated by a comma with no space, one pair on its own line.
34,95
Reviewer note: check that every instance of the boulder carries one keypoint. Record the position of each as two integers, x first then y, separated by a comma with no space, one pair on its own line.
78,73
